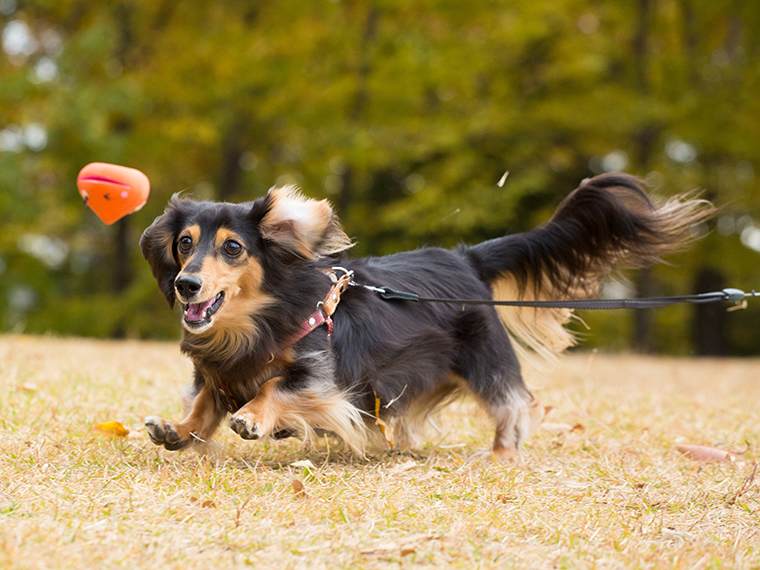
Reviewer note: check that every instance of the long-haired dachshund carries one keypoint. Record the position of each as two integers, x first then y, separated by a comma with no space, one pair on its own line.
258,294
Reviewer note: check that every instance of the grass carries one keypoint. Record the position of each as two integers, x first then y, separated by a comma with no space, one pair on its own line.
612,493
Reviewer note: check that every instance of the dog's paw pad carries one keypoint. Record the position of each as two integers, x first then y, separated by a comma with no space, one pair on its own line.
162,432
155,427
245,426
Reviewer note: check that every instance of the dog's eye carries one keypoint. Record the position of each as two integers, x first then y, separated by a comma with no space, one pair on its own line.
185,243
232,248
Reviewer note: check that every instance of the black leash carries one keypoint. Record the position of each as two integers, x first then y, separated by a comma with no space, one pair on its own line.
728,295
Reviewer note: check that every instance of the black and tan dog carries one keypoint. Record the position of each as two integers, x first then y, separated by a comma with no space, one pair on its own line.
251,276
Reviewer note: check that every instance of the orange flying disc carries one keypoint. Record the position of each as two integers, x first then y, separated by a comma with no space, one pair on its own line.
112,191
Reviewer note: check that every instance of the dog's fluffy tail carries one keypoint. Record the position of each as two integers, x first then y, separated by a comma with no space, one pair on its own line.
605,224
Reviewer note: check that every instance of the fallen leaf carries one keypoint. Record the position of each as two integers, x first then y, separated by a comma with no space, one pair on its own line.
112,429
208,504
298,488
29,387
706,453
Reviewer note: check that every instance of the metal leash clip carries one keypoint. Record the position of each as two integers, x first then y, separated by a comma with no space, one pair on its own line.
738,297
332,299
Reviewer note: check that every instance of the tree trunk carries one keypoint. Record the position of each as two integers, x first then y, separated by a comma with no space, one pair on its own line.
642,318
709,322
122,270
645,139
229,168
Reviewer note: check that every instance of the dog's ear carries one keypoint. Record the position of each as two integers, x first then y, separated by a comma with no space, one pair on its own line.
158,244
305,227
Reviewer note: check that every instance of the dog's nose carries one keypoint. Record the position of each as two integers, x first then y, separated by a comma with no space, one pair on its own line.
188,285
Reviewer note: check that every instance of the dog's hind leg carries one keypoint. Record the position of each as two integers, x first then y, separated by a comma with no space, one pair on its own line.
515,421
203,417
487,365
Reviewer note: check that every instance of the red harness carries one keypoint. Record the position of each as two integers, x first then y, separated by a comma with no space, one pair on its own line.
325,310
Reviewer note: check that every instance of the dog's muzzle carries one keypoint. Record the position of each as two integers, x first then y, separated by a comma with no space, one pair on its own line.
187,287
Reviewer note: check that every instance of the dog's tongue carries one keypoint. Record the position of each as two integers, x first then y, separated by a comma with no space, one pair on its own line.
195,310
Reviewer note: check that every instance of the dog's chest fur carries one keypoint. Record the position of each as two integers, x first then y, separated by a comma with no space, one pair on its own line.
235,384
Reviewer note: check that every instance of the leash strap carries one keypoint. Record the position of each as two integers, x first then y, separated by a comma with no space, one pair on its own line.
729,295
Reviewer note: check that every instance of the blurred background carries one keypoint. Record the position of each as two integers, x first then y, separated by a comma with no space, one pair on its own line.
404,114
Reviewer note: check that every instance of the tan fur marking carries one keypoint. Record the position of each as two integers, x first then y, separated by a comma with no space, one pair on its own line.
202,418
407,428
221,237
194,232
539,334
233,328
304,410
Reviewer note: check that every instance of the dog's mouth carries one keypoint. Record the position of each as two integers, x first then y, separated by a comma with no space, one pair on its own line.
198,315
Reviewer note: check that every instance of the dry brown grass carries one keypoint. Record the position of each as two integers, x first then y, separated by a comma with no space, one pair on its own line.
614,494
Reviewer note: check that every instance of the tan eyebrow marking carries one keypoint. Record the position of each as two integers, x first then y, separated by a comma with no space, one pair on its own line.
223,234
193,231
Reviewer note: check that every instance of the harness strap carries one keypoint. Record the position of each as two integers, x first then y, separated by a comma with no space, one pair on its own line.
315,320
325,308
322,316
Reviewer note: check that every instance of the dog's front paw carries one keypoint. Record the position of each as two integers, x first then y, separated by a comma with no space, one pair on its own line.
164,432
246,426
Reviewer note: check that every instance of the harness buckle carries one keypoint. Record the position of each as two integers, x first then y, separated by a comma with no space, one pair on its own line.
330,302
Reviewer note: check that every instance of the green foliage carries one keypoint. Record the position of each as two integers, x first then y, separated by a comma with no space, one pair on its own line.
404,114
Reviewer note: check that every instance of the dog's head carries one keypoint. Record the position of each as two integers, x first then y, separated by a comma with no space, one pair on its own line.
212,256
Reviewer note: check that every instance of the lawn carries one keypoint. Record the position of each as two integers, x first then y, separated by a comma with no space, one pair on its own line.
601,487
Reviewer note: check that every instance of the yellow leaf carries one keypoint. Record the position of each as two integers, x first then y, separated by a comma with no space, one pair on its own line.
113,429
298,488
384,427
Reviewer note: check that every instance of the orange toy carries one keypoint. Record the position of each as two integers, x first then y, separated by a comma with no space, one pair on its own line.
112,191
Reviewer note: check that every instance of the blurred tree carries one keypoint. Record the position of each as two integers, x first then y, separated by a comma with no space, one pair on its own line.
405,114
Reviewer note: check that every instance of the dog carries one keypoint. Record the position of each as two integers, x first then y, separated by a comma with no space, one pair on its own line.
272,348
